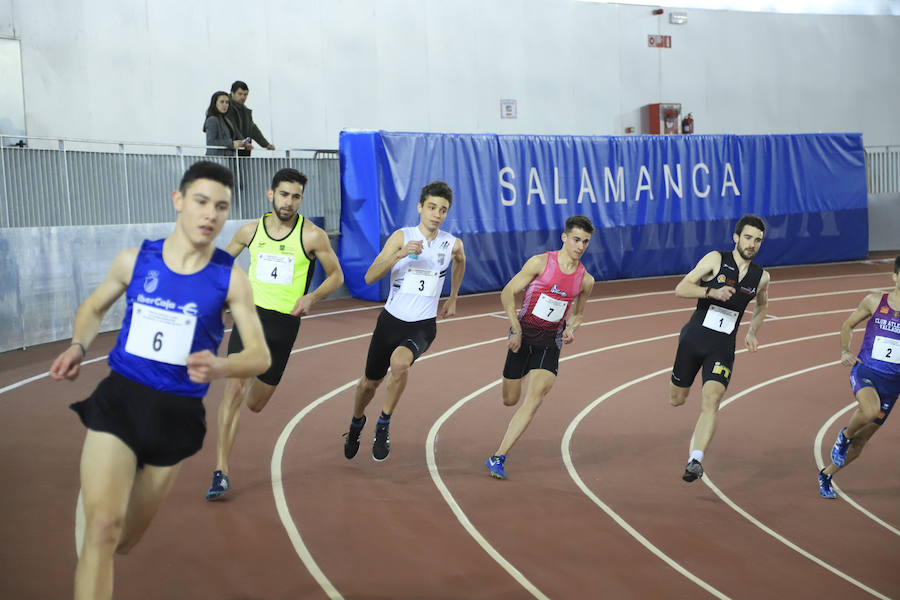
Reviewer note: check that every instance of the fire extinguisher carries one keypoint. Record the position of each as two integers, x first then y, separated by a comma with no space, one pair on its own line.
687,124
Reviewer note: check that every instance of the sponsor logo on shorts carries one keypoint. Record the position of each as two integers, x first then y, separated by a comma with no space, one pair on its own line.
151,281
720,369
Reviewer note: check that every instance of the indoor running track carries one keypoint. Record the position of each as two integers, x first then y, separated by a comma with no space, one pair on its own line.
593,507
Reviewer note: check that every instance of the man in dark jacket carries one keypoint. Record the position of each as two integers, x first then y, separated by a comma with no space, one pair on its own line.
243,118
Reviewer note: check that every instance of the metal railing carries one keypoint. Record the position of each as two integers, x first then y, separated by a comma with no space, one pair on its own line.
883,169
67,182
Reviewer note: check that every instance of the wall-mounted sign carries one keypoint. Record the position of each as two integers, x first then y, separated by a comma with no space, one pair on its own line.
508,109
659,41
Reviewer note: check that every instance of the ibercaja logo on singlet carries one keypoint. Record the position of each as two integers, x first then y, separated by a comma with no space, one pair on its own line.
151,282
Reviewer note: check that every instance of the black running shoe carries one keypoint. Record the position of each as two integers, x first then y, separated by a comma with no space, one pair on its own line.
351,443
382,446
693,470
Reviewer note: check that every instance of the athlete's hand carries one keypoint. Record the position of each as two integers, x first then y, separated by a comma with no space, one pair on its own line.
412,248
449,309
514,340
752,342
722,294
303,305
68,364
204,366
568,336
848,360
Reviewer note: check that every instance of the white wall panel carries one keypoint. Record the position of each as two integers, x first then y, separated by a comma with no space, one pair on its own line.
144,70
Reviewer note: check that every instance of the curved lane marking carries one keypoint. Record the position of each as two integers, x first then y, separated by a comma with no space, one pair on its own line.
820,464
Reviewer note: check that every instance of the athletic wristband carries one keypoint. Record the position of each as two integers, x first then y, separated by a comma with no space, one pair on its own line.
83,351
512,333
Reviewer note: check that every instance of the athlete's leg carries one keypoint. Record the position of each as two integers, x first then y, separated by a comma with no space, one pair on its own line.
365,391
677,395
705,428
867,411
401,359
539,383
863,435
151,486
512,391
229,416
107,476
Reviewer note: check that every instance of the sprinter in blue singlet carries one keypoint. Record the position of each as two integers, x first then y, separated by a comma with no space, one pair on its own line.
147,415
875,377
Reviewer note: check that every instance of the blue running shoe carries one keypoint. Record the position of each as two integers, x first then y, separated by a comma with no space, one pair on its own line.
825,486
839,451
220,485
495,466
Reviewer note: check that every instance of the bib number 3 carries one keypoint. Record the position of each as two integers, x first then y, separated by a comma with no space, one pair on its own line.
421,282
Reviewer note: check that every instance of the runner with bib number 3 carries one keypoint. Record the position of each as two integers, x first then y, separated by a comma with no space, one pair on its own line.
418,259
724,283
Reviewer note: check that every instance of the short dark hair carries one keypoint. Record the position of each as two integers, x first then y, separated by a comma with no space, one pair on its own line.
897,264
581,222
239,85
205,169
752,221
289,174
439,189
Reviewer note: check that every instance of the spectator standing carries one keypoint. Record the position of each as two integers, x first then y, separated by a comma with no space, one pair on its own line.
219,127
243,118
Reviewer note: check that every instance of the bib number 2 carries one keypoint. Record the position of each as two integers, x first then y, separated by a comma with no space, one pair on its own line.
886,349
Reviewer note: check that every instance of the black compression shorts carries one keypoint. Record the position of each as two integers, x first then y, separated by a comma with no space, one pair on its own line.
391,333
701,348
531,356
280,331
162,429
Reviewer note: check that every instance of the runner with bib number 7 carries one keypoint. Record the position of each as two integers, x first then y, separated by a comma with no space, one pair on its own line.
724,283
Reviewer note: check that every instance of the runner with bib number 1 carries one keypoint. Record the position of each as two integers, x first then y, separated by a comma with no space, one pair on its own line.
724,283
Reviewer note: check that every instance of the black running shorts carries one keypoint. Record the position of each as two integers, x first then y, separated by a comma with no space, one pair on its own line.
280,331
531,356
700,348
162,429
391,333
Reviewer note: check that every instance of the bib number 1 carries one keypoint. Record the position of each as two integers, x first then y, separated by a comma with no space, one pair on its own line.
720,319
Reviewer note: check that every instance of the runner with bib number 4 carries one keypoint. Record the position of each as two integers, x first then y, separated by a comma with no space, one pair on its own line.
724,283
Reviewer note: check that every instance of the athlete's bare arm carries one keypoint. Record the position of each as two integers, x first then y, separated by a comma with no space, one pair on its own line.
242,238
459,269
532,269
706,269
587,284
90,313
759,312
204,366
865,310
394,250
318,246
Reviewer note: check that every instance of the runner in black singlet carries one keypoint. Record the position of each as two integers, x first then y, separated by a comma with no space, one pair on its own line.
724,283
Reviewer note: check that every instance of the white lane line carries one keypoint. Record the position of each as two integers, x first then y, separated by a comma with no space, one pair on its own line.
759,523
457,510
817,444
570,467
281,504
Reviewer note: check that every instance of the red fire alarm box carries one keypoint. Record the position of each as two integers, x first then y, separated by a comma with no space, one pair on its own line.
661,118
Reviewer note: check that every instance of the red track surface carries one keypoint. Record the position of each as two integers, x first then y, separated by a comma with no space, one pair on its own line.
385,531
